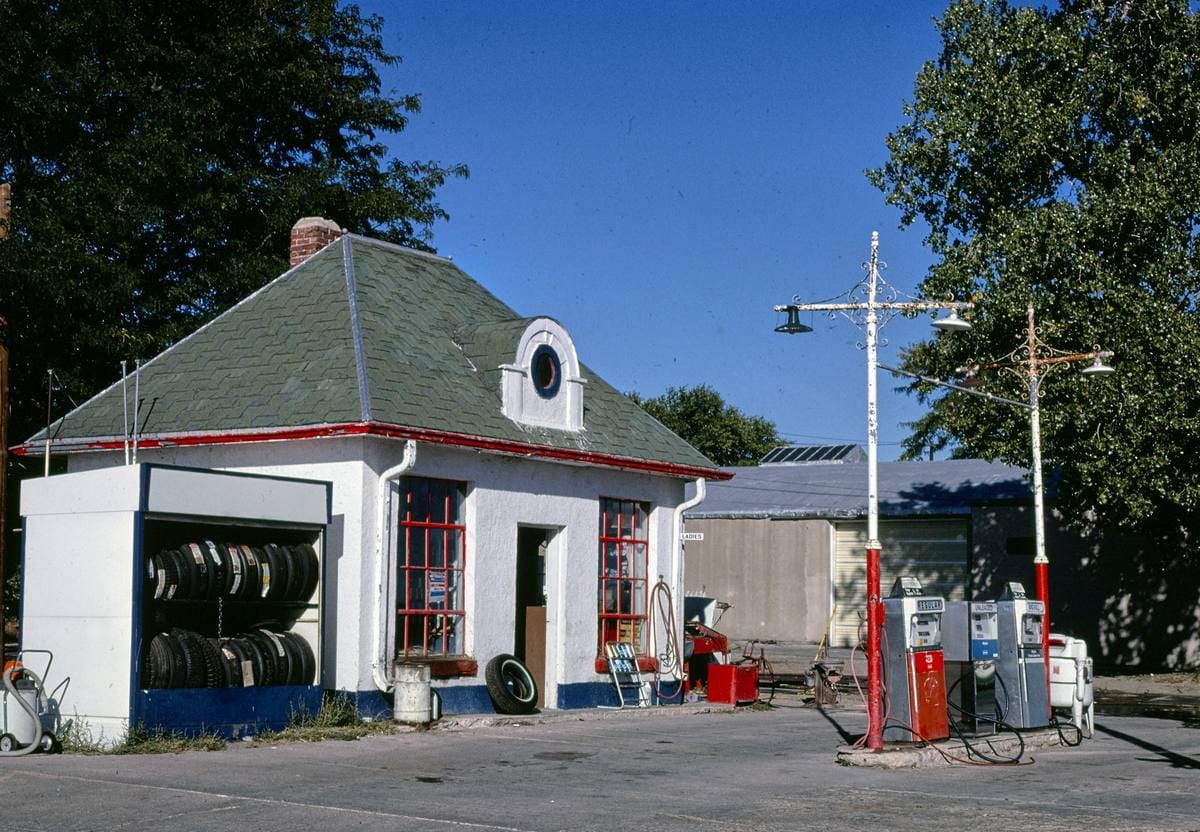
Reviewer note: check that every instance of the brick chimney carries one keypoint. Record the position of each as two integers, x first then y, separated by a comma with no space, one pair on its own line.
310,235
5,208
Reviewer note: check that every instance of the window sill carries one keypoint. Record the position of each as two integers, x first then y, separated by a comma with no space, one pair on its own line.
445,667
646,664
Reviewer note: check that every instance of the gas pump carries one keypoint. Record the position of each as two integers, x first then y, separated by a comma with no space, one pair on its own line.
913,666
970,633
1021,689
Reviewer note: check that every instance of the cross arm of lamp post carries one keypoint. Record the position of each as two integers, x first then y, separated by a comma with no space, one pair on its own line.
910,305
1019,363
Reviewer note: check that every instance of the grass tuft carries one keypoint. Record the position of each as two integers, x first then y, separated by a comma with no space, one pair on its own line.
143,740
77,738
337,719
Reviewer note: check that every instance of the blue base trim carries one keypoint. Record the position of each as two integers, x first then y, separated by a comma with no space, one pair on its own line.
466,699
586,695
456,699
474,699
371,704
603,694
228,712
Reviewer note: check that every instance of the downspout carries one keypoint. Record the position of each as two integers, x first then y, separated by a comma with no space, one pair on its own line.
383,563
677,556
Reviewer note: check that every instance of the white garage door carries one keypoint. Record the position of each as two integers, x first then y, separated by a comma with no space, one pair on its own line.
934,551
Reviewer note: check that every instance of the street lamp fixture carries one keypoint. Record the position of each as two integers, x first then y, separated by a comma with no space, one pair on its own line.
952,323
870,305
792,325
1098,367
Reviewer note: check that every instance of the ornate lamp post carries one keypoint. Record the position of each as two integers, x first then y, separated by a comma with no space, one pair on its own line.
866,310
1032,361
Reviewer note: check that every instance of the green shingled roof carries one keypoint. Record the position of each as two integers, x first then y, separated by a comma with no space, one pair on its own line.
363,331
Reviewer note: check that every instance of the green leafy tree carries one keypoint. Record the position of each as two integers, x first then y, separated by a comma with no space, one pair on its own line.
159,152
718,430
1053,154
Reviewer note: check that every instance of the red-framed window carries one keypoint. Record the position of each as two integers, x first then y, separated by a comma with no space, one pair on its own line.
624,560
431,546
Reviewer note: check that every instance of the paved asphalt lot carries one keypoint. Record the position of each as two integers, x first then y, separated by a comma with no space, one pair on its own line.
676,770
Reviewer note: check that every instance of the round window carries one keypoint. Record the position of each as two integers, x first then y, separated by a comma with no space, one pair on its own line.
546,371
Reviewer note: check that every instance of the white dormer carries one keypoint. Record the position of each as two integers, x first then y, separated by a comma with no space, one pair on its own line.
542,386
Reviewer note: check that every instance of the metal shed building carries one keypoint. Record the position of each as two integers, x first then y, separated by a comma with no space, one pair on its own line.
784,542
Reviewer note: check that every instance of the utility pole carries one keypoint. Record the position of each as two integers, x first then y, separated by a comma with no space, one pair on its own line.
5,214
3,466
868,312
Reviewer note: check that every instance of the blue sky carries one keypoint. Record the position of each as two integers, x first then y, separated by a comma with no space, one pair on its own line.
657,176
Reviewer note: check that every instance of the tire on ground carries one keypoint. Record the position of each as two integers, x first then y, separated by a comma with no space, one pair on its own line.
512,689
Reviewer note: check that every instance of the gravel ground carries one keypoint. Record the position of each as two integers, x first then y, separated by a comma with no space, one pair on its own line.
1151,684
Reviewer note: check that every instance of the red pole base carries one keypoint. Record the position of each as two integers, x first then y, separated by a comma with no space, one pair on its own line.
1041,573
874,654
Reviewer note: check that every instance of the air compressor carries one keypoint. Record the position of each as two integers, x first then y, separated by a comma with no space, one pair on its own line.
970,637
913,666
29,718
1022,692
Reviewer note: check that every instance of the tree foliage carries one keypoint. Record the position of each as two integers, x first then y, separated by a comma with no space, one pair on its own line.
718,430
159,152
1054,155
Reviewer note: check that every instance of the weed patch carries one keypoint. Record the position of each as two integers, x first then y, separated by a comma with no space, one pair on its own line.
142,740
337,719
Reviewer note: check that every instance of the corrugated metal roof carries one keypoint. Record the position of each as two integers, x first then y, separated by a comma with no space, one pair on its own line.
940,487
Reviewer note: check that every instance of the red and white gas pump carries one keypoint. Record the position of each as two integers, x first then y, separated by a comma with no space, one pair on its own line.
914,666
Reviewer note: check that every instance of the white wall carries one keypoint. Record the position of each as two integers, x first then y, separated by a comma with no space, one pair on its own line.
504,492
89,633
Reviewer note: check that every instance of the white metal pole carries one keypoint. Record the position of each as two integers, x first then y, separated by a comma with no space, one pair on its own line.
137,403
1041,563
1039,518
872,412
1035,431
874,656
49,398
124,411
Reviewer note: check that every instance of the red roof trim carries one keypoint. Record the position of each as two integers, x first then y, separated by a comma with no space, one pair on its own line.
481,443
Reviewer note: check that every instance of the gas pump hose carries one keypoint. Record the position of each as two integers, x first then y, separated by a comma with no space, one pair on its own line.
997,720
1058,724
887,704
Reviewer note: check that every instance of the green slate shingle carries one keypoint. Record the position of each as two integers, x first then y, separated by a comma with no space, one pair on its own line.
432,340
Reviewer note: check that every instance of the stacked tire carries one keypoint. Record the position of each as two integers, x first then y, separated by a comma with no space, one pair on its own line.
207,570
183,658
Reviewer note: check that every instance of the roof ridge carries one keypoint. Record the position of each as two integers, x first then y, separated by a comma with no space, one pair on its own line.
356,335
397,247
